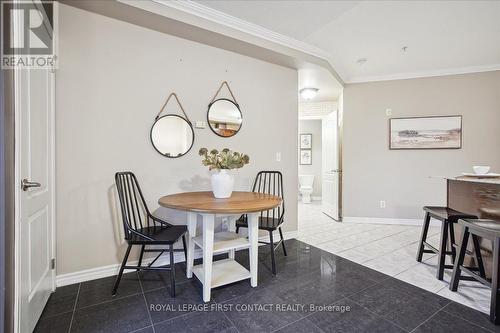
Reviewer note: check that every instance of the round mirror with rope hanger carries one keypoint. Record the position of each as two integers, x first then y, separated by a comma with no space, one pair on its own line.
172,135
224,115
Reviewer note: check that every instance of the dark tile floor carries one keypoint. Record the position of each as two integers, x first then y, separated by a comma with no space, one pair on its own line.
314,291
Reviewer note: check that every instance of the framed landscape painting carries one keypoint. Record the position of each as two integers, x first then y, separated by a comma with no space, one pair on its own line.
436,132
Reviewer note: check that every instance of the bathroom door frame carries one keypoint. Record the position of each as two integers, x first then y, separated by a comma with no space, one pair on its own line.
340,135
340,131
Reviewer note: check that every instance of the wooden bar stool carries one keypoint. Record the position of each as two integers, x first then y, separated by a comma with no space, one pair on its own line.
488,229
448,217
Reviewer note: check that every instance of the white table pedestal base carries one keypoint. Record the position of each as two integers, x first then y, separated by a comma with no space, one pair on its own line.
215,274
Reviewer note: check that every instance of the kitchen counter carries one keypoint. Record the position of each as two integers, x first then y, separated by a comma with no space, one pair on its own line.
475,196
475,179
470,194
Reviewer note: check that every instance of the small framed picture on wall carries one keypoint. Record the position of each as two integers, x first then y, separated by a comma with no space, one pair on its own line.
305,157
306,141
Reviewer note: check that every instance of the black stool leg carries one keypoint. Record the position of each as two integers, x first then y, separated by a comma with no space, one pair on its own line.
282,241
119,277
273,259
442,250
423,237
172,271
455,277
479,257
452,241
495,283
237,229
140,256
185,248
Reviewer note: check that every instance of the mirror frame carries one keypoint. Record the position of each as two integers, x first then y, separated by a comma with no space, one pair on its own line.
208,118
151,135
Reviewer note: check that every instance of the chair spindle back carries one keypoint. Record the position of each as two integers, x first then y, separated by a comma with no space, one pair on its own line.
271,182
135,213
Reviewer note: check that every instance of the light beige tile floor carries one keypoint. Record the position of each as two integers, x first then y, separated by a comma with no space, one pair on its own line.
390,249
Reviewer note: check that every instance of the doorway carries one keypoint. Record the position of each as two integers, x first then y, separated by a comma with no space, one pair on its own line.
319,165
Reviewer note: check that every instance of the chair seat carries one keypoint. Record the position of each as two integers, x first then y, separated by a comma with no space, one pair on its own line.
489,227
445,213
265,223
160,235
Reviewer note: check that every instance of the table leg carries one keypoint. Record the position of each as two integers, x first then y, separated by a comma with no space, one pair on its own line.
232,228
208,247
253,237
192,217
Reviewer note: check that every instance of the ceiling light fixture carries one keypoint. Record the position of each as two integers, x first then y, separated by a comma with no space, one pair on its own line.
361,61
308,93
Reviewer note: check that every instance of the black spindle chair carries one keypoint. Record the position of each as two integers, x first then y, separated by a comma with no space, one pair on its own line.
144,229
270,182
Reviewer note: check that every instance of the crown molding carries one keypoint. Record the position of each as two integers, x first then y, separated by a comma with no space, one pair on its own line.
255,30
424,74
215,16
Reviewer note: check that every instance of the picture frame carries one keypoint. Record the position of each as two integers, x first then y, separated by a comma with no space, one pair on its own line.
305,157
306,141
430,132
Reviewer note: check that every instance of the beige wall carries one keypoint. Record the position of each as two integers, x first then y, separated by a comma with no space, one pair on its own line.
313,127
112,80
372,172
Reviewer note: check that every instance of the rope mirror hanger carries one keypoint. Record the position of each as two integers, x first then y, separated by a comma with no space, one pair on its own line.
178,102
224,83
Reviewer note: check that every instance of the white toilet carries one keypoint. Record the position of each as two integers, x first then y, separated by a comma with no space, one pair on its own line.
306,187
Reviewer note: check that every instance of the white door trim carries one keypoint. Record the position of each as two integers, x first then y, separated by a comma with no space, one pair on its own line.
17,27
52,134
17,187
17,190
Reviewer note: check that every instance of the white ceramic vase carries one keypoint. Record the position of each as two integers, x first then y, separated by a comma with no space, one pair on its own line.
222,184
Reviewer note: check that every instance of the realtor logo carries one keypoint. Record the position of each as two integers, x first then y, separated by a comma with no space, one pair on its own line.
28,34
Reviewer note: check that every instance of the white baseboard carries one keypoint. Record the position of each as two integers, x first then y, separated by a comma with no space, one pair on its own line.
110,270
313,198
387,220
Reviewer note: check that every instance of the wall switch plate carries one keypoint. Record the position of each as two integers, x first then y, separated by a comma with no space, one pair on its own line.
200,124
388,112
278,157
382,203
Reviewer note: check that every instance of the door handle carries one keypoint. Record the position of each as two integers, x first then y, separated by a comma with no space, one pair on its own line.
26,184
336,170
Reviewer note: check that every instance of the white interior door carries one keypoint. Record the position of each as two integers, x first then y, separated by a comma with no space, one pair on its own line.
34,104
34,225
330,171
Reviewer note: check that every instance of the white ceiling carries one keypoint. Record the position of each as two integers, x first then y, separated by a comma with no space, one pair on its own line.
442,37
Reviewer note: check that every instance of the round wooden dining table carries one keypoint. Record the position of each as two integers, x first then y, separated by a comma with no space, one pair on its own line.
221,272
